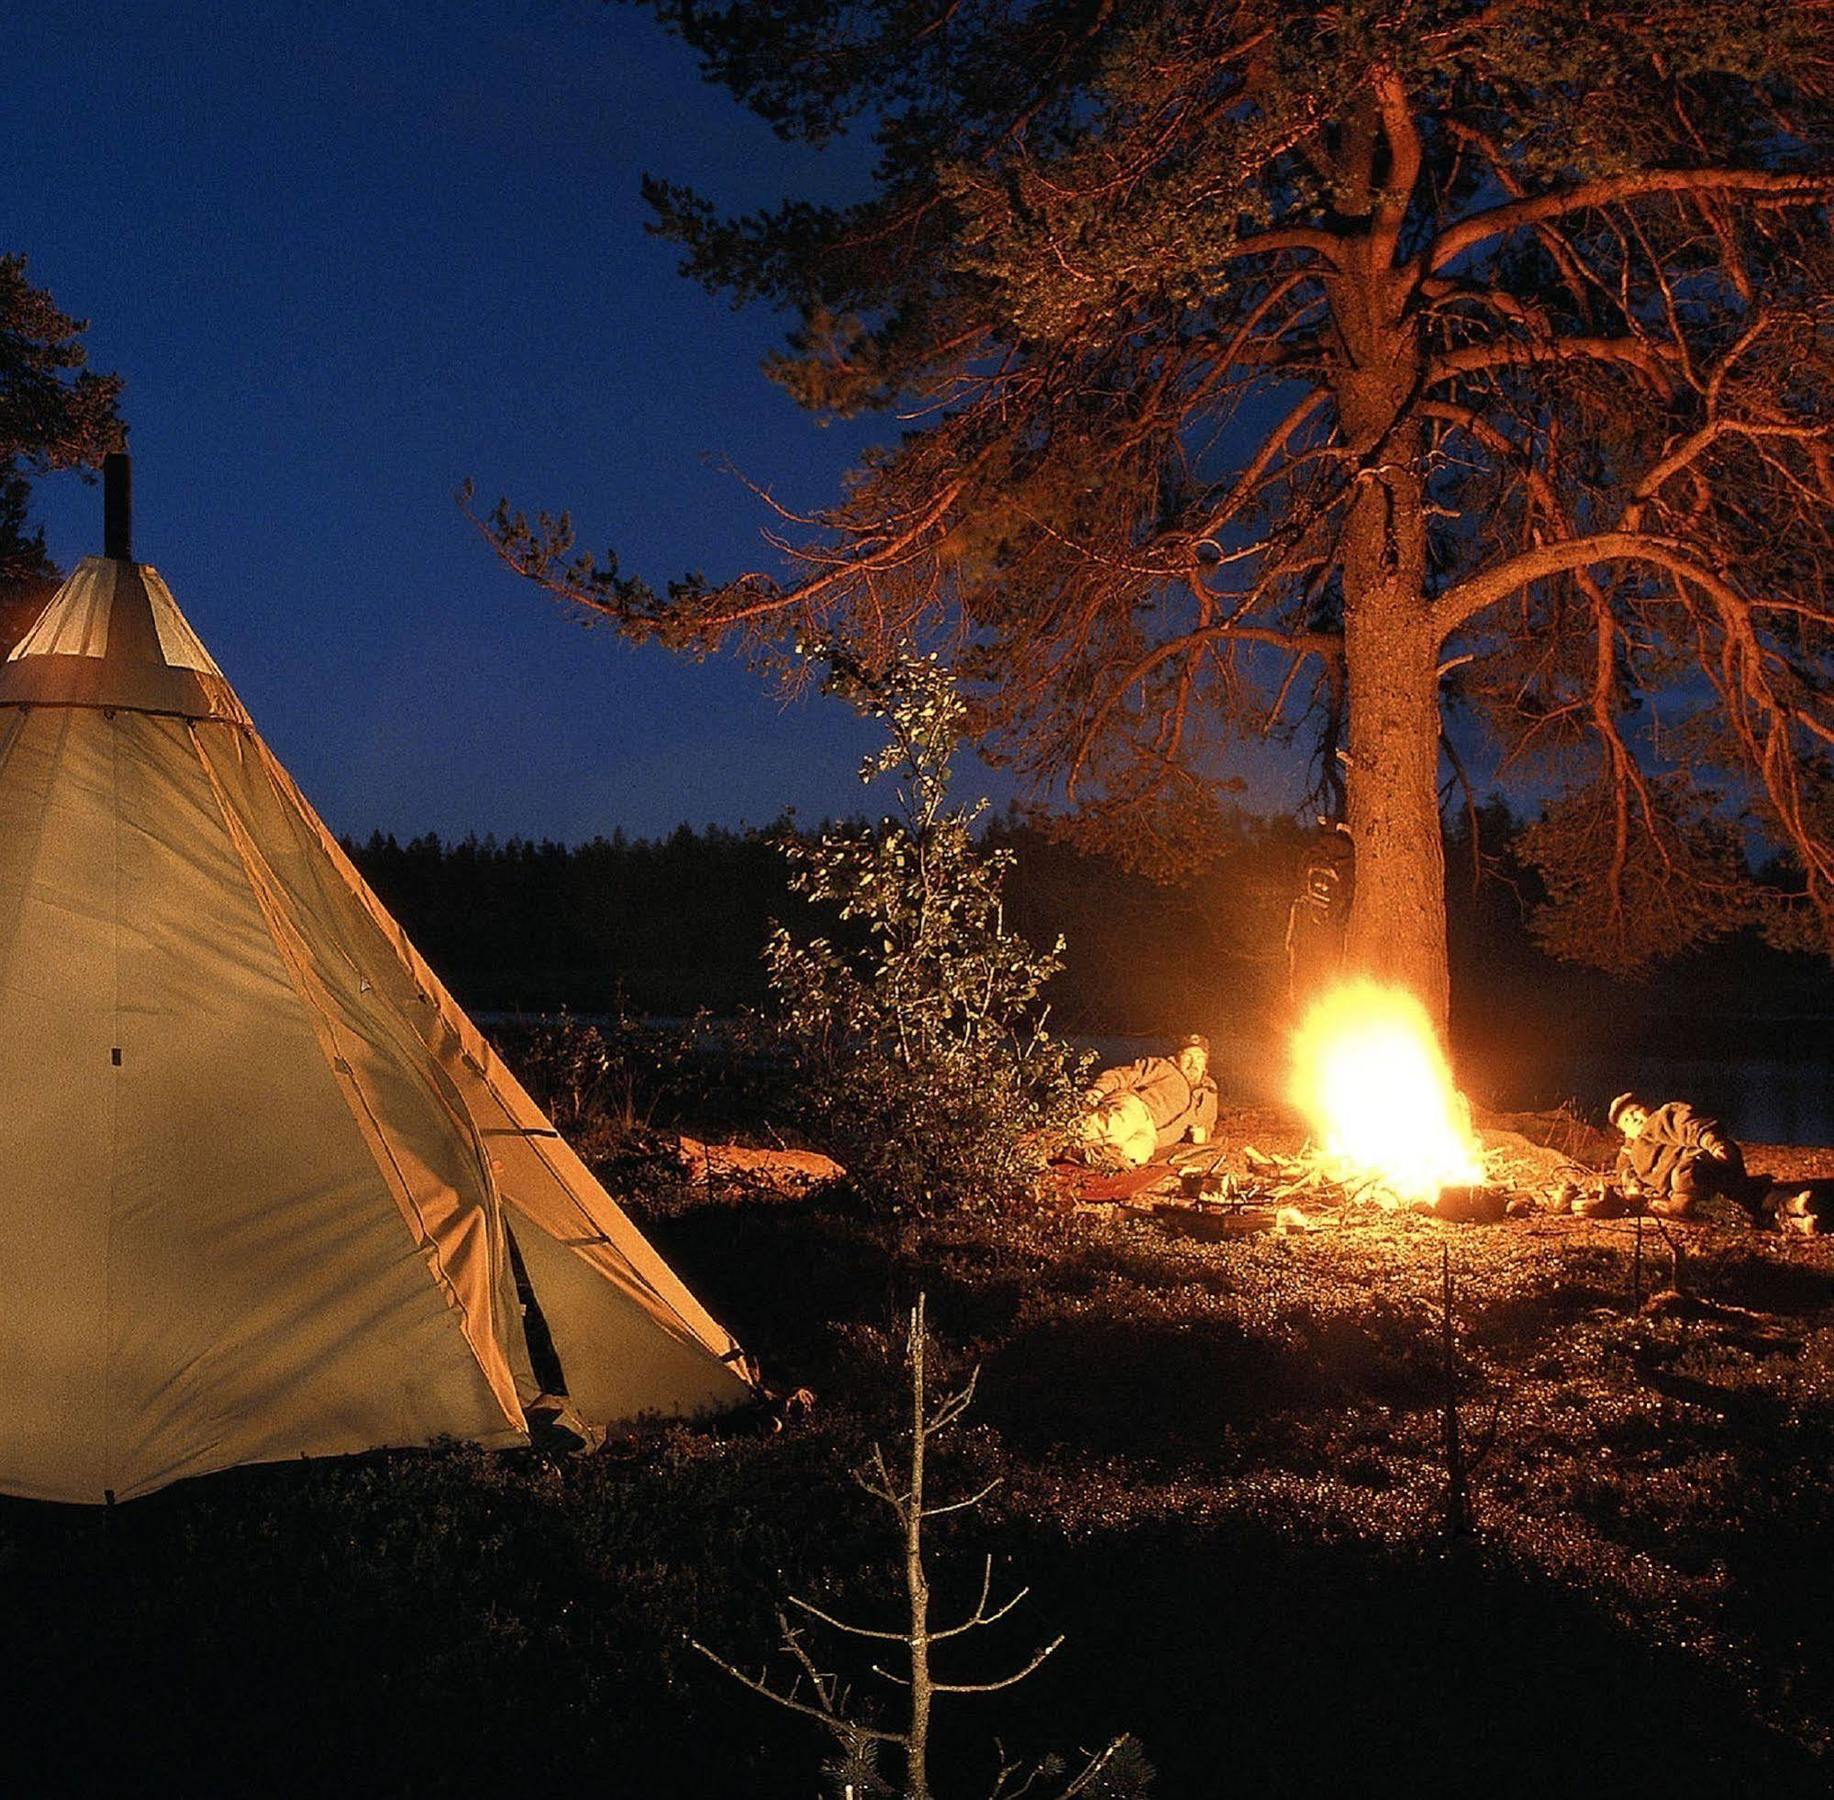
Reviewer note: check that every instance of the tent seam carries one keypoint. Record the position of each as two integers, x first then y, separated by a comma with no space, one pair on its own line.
38,846
438,1084
392,934
268,906
419,1057
262,887
101,616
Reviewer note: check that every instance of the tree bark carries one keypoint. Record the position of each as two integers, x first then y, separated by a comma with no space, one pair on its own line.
1397,930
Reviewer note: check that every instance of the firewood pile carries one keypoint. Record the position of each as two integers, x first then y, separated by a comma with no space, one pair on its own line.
1313,1181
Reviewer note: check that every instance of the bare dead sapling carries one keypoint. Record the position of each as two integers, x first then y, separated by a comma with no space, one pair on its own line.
862,1731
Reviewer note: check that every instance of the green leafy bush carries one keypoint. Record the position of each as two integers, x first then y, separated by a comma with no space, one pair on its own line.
915,1034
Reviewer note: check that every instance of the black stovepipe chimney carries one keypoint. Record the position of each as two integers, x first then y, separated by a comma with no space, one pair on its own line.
118,506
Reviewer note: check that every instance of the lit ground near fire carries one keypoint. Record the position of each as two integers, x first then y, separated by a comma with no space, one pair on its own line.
1222,1475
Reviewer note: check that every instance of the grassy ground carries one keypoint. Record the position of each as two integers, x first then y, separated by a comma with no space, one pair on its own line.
1222,1476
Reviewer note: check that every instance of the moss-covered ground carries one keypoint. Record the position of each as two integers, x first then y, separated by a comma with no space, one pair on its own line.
1222,1476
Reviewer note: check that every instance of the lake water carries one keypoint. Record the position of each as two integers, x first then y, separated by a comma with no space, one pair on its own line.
1761,1100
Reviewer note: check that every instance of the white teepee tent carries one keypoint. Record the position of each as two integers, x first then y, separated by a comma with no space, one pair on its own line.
259,1174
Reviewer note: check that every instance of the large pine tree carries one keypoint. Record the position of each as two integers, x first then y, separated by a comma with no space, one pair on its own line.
1402,376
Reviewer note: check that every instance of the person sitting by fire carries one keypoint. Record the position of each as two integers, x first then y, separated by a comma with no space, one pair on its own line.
1673,1158
1140,1108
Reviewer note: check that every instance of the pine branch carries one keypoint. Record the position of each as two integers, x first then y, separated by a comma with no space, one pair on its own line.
1498,221
1459,604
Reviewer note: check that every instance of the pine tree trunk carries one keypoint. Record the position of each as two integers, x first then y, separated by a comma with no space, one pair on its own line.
1397,930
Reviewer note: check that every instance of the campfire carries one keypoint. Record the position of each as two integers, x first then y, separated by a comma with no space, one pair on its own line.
1387,1120
1388,1133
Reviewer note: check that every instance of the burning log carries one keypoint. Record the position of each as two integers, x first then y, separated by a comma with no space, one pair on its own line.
1472,1203
1326,1180
1314,1181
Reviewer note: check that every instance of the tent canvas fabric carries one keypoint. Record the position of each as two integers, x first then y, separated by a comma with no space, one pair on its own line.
260,1176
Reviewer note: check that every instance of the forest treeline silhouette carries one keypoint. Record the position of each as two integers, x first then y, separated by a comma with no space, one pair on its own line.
668,927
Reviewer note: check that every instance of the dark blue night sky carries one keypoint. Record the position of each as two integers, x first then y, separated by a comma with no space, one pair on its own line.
346,256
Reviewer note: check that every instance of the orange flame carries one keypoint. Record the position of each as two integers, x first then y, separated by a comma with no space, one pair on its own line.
1374,1084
